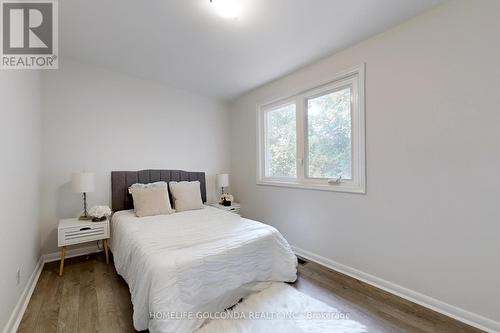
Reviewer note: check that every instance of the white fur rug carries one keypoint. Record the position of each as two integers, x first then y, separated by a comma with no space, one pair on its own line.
281,309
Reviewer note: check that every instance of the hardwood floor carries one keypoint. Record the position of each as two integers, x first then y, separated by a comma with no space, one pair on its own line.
91,297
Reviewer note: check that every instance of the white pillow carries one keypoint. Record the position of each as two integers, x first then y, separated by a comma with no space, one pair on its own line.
153,208
155,184
149,201
186,195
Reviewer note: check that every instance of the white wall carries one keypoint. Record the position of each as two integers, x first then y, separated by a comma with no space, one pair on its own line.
430,219
98,120
20,133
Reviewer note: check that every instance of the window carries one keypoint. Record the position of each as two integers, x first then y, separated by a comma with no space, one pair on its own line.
329,135
281,142
315,139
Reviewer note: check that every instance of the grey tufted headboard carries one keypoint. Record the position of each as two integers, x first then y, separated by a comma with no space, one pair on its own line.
121,181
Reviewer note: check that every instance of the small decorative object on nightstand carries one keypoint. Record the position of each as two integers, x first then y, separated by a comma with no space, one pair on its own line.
75,231
226,199
99,213
234,208
83,182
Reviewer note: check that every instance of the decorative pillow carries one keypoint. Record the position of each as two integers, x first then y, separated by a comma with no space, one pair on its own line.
186,195
155,184
151,200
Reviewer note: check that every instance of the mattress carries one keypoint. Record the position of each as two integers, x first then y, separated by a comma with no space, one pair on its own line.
183,266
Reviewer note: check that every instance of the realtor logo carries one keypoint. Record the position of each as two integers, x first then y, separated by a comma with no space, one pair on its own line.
29,34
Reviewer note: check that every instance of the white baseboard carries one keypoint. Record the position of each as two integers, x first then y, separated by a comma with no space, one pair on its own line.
24,299
22,304
70,253
449,310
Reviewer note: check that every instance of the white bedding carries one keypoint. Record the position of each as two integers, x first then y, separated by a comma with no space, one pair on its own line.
196,261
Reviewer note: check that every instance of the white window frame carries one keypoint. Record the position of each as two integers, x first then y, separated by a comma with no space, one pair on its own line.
354,77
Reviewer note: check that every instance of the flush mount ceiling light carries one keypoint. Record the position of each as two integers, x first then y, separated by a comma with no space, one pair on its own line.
230,9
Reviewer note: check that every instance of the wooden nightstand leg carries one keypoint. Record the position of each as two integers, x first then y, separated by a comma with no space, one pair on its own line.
105,242
61,267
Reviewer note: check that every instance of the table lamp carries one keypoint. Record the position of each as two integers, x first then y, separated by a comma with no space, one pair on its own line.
83,182
222,181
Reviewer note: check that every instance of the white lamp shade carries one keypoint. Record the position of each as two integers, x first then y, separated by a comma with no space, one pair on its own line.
222,180
82,182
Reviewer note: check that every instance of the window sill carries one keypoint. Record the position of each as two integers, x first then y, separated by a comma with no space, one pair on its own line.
343,187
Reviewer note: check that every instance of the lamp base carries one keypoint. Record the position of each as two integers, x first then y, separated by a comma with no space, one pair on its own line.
85,216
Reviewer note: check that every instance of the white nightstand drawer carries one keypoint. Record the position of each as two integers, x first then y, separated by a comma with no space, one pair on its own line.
83,233
234,208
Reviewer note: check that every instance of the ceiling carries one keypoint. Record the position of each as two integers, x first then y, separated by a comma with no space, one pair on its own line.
185,44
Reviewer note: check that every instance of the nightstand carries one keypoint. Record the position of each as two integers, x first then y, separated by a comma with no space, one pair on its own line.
234,208
74,231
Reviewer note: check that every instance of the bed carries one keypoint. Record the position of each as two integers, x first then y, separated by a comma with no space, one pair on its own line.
182,267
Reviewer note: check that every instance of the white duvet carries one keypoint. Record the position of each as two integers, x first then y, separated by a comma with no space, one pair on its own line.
180,267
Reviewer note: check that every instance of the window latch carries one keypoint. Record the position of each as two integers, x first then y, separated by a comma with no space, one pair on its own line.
337,181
